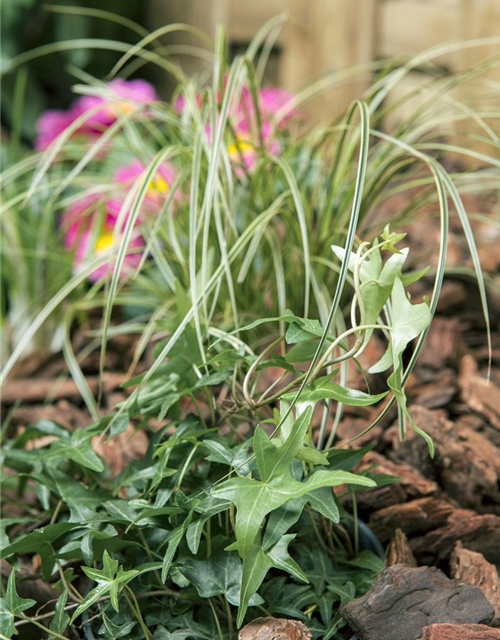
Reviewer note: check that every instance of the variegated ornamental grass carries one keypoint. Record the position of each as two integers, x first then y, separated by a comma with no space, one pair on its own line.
220,228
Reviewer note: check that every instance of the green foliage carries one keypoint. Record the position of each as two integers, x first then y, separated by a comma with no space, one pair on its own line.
210,517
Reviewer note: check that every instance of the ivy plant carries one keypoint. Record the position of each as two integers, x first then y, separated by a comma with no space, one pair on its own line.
236,508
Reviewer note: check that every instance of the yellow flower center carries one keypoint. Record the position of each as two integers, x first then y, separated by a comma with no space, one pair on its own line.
241,146
121,108
158,185
104,242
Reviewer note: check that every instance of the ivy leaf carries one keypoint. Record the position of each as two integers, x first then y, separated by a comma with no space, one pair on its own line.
323,501
110,579
304,329
256,565
219,575
254,499
41,542
174,539
113,631
391,238
274,462
323,389
119,424
10,605
408,321
208,508
280,521
395,383
377,280
79,449
60,621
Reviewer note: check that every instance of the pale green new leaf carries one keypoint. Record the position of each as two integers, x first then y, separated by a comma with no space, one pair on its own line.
324,389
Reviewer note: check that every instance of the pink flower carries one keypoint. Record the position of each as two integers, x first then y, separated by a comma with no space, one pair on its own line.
158,187
50,125
273,100
53,122
139,92
180,102
275,112
90,225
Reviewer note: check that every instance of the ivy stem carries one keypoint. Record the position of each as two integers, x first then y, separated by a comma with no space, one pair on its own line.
229,618
69,607
250,372
134,606
322,363
41,626
56,512
317,533
216,618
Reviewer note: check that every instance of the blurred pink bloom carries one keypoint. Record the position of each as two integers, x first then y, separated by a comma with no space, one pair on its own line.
130,91
244,153
180,102
90,225
272,100
53,122
158,187
50,125
275,99
276,110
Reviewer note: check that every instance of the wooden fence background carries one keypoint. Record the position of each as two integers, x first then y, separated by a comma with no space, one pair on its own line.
328,35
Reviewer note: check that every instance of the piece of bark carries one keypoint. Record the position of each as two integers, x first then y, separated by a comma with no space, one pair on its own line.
466,463
399,551
482,396
274,629
444,631
442,344
122,449
453,294
36,390
405,599
415,517
431,389
63,412
477,532
350,428
412,484
473,568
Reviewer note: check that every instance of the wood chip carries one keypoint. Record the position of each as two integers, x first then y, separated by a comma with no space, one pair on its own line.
414,517
442,344
466,463
405,599
477,532
122,449
460,632
473,568
412,483
399,551
482,396
274,629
